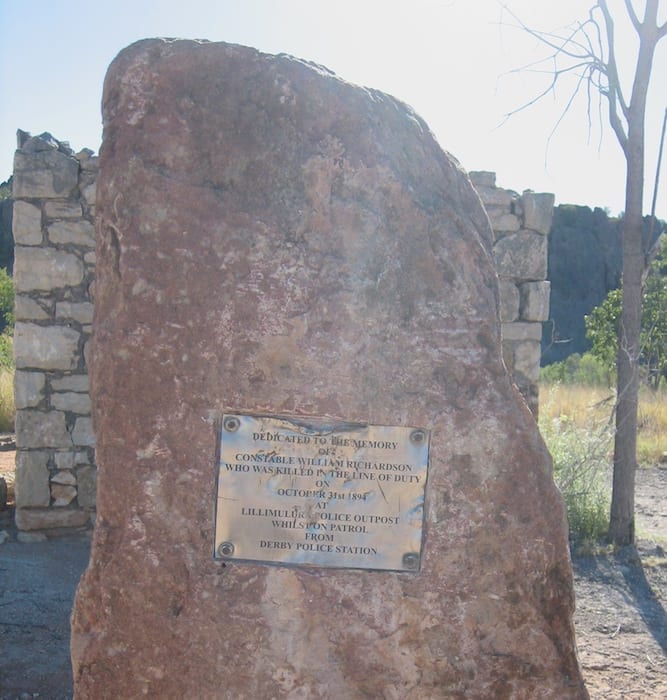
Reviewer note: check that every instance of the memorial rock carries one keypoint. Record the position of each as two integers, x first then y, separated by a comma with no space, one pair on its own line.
316,479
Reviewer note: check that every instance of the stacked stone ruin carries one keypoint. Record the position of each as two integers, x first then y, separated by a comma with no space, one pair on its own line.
54,212
520,225
53,226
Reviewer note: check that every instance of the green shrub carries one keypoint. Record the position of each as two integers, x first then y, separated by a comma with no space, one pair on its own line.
6,351
603,323
6,301
581,457
584,369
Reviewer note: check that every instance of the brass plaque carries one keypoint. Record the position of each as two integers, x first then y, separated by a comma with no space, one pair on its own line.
318,493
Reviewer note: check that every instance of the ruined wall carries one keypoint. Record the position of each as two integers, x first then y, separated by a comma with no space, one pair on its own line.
521,225
54,193
54,209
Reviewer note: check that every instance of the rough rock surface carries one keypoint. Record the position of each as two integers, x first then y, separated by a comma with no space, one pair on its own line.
273,239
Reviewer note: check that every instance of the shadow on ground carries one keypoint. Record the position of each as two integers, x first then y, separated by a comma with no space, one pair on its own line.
37,585
623,573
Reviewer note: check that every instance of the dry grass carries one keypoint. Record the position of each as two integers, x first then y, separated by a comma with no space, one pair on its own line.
581,404
585,406
652,427
575,425
7,409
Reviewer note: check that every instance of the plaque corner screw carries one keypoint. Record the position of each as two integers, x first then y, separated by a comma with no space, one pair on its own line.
418,437
411,560
226,549
231,424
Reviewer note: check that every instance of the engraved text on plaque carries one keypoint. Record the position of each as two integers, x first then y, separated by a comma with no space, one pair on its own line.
320,493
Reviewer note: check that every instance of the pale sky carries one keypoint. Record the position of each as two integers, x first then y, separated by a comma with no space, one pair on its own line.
449,59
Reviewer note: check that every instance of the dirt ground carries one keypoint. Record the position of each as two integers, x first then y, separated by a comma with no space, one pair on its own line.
620,621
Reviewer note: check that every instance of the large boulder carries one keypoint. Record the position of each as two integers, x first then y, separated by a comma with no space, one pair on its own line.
274,241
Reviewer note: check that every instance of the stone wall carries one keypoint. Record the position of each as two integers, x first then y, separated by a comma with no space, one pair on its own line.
54,209
521,225
53,226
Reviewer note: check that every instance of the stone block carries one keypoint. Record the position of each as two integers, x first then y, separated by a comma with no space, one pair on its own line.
44,174
42,142
538,211
535,301
281,198
527,355
89,194
521,256
498,201
482,178
81,312
26,224
31,537
28,389
27,309
82,457
508,354
509,301
45,347
65,460
35,429
64,477
83,434
62,494
522,331
503,223
84,156
50,518
86,353
493,197
32,479
46,269
71,382
87,486
80,233
90,166
70,401
55,209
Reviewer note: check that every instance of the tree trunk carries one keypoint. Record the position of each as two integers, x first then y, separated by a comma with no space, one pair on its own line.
622,520
591,58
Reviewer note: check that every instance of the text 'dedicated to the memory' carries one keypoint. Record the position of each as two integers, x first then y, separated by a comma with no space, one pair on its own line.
314,492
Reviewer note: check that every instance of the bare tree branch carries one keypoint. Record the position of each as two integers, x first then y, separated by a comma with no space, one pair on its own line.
631,13
656,182
614,94
584,44
566,109
562,45
555,75
587,52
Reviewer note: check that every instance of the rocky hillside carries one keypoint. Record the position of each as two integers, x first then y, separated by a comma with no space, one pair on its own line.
584,265
6,239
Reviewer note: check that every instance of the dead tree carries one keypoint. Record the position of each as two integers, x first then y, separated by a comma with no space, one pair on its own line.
588,51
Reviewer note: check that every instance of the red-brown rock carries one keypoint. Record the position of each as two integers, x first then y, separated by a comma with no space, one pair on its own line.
272,239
